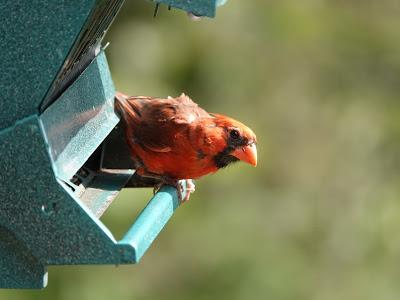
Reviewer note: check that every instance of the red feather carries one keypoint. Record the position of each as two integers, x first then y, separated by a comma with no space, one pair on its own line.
176,139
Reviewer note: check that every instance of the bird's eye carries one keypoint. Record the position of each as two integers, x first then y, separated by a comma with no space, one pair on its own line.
234,133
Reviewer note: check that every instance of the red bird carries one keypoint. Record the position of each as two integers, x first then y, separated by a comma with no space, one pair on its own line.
173,139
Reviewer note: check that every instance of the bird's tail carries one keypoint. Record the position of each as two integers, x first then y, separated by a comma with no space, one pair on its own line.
126,108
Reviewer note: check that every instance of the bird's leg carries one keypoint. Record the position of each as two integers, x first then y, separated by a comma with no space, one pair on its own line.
190,188
157,187
178,184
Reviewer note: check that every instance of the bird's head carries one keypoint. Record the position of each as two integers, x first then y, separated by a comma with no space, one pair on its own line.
239,140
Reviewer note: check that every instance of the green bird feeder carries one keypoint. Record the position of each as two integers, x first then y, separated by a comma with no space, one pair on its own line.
62,154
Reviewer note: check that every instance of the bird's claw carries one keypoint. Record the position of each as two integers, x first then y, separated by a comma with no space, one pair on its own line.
180,188
190,188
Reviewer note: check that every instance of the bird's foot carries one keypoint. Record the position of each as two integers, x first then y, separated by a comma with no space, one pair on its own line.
180,188
157,187
190,188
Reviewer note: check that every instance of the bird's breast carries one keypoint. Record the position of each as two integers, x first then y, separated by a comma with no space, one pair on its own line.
178,164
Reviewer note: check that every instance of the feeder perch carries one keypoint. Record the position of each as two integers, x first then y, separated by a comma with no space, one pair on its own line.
60,161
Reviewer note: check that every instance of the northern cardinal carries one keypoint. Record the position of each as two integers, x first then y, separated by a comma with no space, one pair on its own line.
173,139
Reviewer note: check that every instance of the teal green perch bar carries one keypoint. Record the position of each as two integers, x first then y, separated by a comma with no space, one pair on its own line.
151,221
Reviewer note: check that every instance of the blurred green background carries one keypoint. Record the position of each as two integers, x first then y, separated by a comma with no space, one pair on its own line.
319,218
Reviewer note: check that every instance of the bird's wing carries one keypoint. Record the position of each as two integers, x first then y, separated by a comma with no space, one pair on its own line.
171,116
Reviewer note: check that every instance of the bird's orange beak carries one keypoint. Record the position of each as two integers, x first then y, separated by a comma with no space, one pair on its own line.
247,154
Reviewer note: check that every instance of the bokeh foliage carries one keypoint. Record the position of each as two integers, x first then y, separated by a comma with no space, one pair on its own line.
319,218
